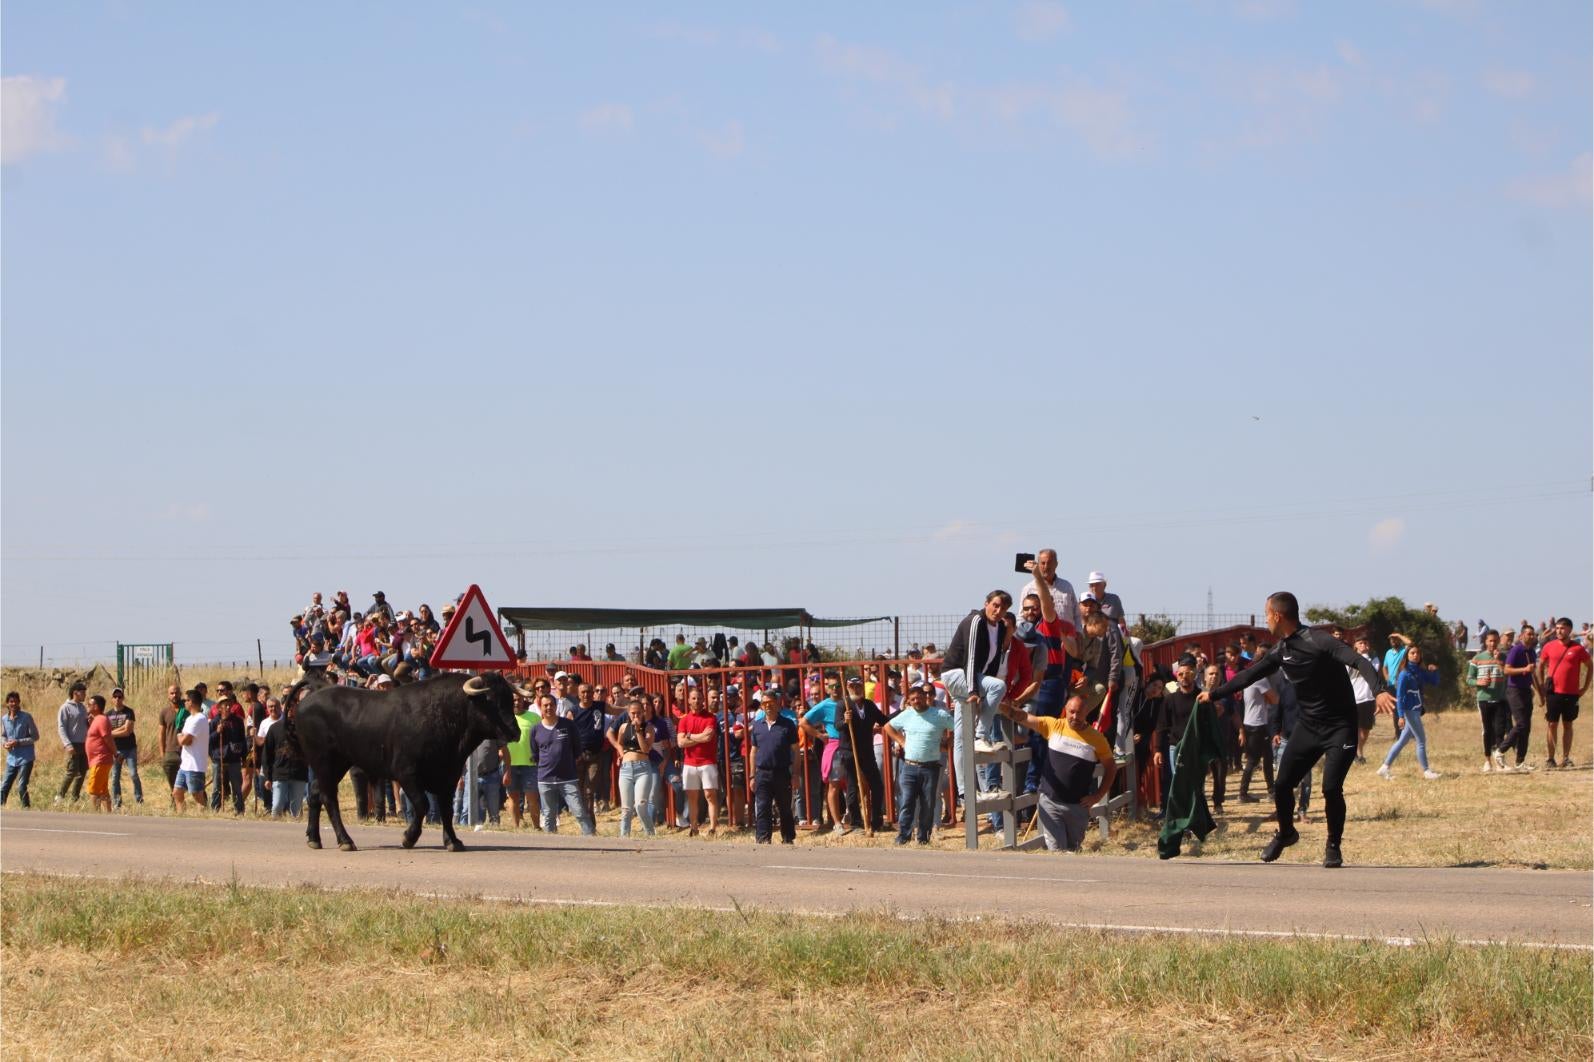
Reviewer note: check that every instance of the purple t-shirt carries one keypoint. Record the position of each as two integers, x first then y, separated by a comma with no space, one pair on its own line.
1520,656
556,751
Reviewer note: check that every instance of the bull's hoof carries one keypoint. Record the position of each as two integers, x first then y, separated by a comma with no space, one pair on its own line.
453,846
314,844
409,842
347,846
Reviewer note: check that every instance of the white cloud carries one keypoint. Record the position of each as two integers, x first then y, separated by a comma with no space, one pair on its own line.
1041,20
1509,84
191,512
1263,10
957,530
608,118
1572,187
881,67
1101,118
726,142
697,36
1385,534
760,41
180,131
119,155
27,116
1452,7
1349,53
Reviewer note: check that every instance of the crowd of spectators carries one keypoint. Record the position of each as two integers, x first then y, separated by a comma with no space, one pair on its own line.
746,731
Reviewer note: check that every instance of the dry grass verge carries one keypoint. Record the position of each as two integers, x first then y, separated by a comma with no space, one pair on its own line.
95,968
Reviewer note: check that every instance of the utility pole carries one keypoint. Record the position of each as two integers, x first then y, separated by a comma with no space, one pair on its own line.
1211,616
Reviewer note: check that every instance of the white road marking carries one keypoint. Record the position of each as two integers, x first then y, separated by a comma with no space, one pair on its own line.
1287,934
936,874
41,829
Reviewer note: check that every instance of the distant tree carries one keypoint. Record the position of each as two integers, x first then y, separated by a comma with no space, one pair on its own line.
1381,616
1154,628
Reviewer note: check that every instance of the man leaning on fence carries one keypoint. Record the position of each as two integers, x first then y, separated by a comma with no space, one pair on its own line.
774,739
1068,790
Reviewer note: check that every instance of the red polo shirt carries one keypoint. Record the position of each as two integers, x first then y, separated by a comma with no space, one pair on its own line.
1564,664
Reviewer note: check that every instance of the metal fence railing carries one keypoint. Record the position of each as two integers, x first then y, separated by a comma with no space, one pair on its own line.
894,637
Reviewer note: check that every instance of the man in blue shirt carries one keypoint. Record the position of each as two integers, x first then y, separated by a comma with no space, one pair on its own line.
826,714
774,737
921,731
556,742
21,734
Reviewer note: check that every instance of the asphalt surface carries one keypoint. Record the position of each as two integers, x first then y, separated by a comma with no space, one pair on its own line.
1397,904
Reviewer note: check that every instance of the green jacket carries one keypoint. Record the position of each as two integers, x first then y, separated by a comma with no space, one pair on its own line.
1185,807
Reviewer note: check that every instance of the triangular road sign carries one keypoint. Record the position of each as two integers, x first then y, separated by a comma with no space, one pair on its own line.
472,638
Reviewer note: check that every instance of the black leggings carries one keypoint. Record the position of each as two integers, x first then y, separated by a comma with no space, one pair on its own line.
1521,705
1337,750
1496,721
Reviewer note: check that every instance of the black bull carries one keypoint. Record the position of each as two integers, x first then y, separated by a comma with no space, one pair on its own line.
418,735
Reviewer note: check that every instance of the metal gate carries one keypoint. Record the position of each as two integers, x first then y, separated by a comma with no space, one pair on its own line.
131,658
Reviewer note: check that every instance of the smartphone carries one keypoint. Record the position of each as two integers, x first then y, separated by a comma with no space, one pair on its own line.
1021,559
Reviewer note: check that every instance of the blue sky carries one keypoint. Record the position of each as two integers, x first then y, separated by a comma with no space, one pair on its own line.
812,305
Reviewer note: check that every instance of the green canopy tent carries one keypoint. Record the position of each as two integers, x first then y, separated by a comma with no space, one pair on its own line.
521,620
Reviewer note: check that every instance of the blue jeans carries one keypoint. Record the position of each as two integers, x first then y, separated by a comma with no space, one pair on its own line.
130,761
287,797
959,688
1412,731
434,814
229,780
489,798
18,774
920,783
638,782
672,778
568,794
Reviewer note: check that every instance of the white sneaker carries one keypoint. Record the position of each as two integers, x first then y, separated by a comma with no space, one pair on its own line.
1523,768
981,745
478,828
1383,772
1430,775
1000,746
1499,760
1487,767
841,831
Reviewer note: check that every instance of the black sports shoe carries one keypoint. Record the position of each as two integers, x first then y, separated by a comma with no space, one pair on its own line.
1276,846
1331,857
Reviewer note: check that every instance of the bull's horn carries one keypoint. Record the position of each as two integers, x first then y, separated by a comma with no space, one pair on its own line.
475,685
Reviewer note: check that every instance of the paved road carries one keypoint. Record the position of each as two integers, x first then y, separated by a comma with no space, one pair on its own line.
1387,903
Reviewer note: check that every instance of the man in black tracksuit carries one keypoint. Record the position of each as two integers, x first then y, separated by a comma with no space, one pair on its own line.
1314,662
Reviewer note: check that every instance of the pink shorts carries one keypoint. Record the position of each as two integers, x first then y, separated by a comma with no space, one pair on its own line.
824,761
